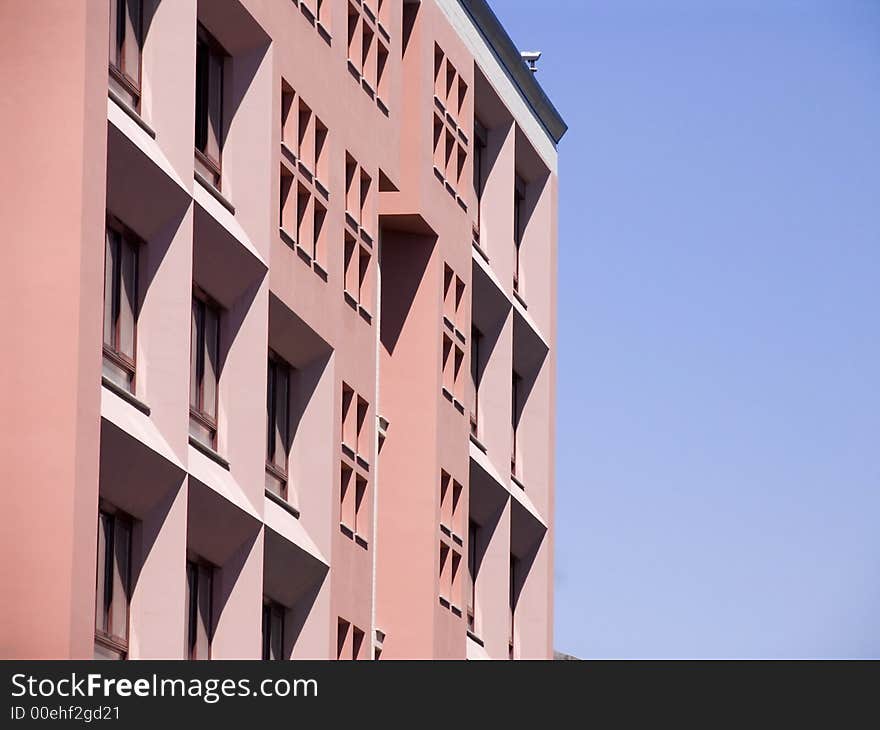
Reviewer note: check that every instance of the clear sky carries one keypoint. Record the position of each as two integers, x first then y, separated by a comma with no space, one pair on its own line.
718,467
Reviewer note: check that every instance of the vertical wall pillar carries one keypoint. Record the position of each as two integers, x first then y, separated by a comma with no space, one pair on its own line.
53,111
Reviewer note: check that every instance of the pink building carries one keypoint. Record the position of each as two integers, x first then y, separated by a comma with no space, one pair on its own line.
279,311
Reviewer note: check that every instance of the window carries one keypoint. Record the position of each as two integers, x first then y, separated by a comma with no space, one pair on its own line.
368,59
273,630
319,213
354,38
349,640
112,586
199,617
277,425
444,574
321,153
381,76
126,23
363,444
305,145
357,641
518,222
476,338
120,304
342,629
305,151
288,117
349,425
455,583
210,59
439,73
480,137
204,370
473,531
353,512
346,500
514,571
448,373
445,503
516,386
366,205
460,318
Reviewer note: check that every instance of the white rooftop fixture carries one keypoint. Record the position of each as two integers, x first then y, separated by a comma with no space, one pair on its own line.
531,58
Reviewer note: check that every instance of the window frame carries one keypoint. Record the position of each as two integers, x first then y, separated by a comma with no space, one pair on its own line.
198,413
119,72
103,637
215,167
519,198
111,351
480,150
473,570
272,610
192,609
277,364
476,339
516,396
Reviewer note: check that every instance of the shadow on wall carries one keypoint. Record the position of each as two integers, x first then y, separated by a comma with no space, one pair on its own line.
404,260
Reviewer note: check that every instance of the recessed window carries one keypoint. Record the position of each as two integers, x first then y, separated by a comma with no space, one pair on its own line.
126,39
357,642
199,607
210,61
112,586
476,339
513,577
321,153
515,406
120,304
519,194
204,369
273,630
349,640
480,137
349,427
473,566
277,425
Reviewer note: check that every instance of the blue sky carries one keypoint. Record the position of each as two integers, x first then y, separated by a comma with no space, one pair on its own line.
718,466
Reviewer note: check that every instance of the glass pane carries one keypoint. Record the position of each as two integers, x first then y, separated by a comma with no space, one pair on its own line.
116,374
203,618
281,385
215,106
194,352
209,377
110,252
190,608
201,433
274,485
127,297
131,44
114,32
106,653
101,575
201,95
276,646
266,630
121,575
270,411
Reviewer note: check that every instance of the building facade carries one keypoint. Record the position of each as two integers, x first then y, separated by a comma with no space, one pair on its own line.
279,303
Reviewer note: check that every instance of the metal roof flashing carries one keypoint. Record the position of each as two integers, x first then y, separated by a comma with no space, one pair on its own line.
522,76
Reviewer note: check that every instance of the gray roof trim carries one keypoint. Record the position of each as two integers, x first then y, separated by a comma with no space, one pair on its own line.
509,56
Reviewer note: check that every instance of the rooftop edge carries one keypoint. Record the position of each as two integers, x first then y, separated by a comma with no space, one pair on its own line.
509,55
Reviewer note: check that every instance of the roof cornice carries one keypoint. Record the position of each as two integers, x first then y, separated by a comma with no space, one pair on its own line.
509,56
